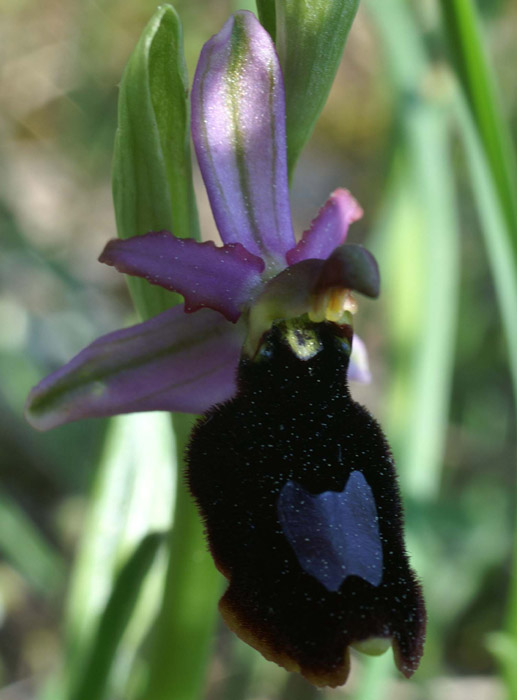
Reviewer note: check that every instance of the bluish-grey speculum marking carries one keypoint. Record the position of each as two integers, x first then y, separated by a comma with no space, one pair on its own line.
333,534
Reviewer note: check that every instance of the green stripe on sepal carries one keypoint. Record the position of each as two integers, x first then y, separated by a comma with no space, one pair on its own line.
310,38
152,172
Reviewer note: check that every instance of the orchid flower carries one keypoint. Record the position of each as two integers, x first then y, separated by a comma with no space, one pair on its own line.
187,363
295,481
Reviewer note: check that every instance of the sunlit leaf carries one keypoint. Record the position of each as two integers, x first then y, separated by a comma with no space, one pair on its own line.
466,43
152,178
310,38
93,682
132,496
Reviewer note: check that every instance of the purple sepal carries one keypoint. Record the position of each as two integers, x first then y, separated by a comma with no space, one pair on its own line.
220,278
173,362
329,229
238,128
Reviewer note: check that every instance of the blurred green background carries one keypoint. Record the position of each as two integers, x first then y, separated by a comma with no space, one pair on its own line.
395,134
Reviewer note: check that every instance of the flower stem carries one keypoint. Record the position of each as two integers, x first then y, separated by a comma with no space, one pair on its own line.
185,624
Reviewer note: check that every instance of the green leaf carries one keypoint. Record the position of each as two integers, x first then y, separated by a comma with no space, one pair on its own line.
496,232
267,15
420,240
475,73
132,496
310,38
153,190
503,261
186,623
152,171
94,680
424,253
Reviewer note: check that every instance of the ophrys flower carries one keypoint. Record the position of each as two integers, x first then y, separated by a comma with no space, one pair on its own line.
294,480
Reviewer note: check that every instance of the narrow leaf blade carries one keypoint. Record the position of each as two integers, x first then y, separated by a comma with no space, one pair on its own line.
94,680
152,177
310,38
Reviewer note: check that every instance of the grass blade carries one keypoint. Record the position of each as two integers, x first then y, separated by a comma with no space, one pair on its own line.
474,70
420,260
152,172
94,680
132,496
428,282
503,262
185,626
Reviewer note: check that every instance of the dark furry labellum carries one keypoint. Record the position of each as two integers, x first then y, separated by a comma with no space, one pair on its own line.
297,488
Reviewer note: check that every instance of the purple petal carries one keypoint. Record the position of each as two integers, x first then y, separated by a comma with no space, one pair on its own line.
329,228
223,278
359,367
238,128
173,362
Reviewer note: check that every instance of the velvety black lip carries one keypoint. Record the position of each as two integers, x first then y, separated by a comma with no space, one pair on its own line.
294,420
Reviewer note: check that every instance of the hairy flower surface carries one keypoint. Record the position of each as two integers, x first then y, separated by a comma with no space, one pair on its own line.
295,480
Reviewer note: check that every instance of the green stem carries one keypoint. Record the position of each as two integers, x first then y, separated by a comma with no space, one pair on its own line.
185,626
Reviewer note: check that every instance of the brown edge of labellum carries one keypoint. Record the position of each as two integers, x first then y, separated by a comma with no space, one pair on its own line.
337,678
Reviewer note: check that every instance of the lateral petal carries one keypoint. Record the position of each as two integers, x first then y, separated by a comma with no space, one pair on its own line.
329,229
220,278
173,362
238,128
